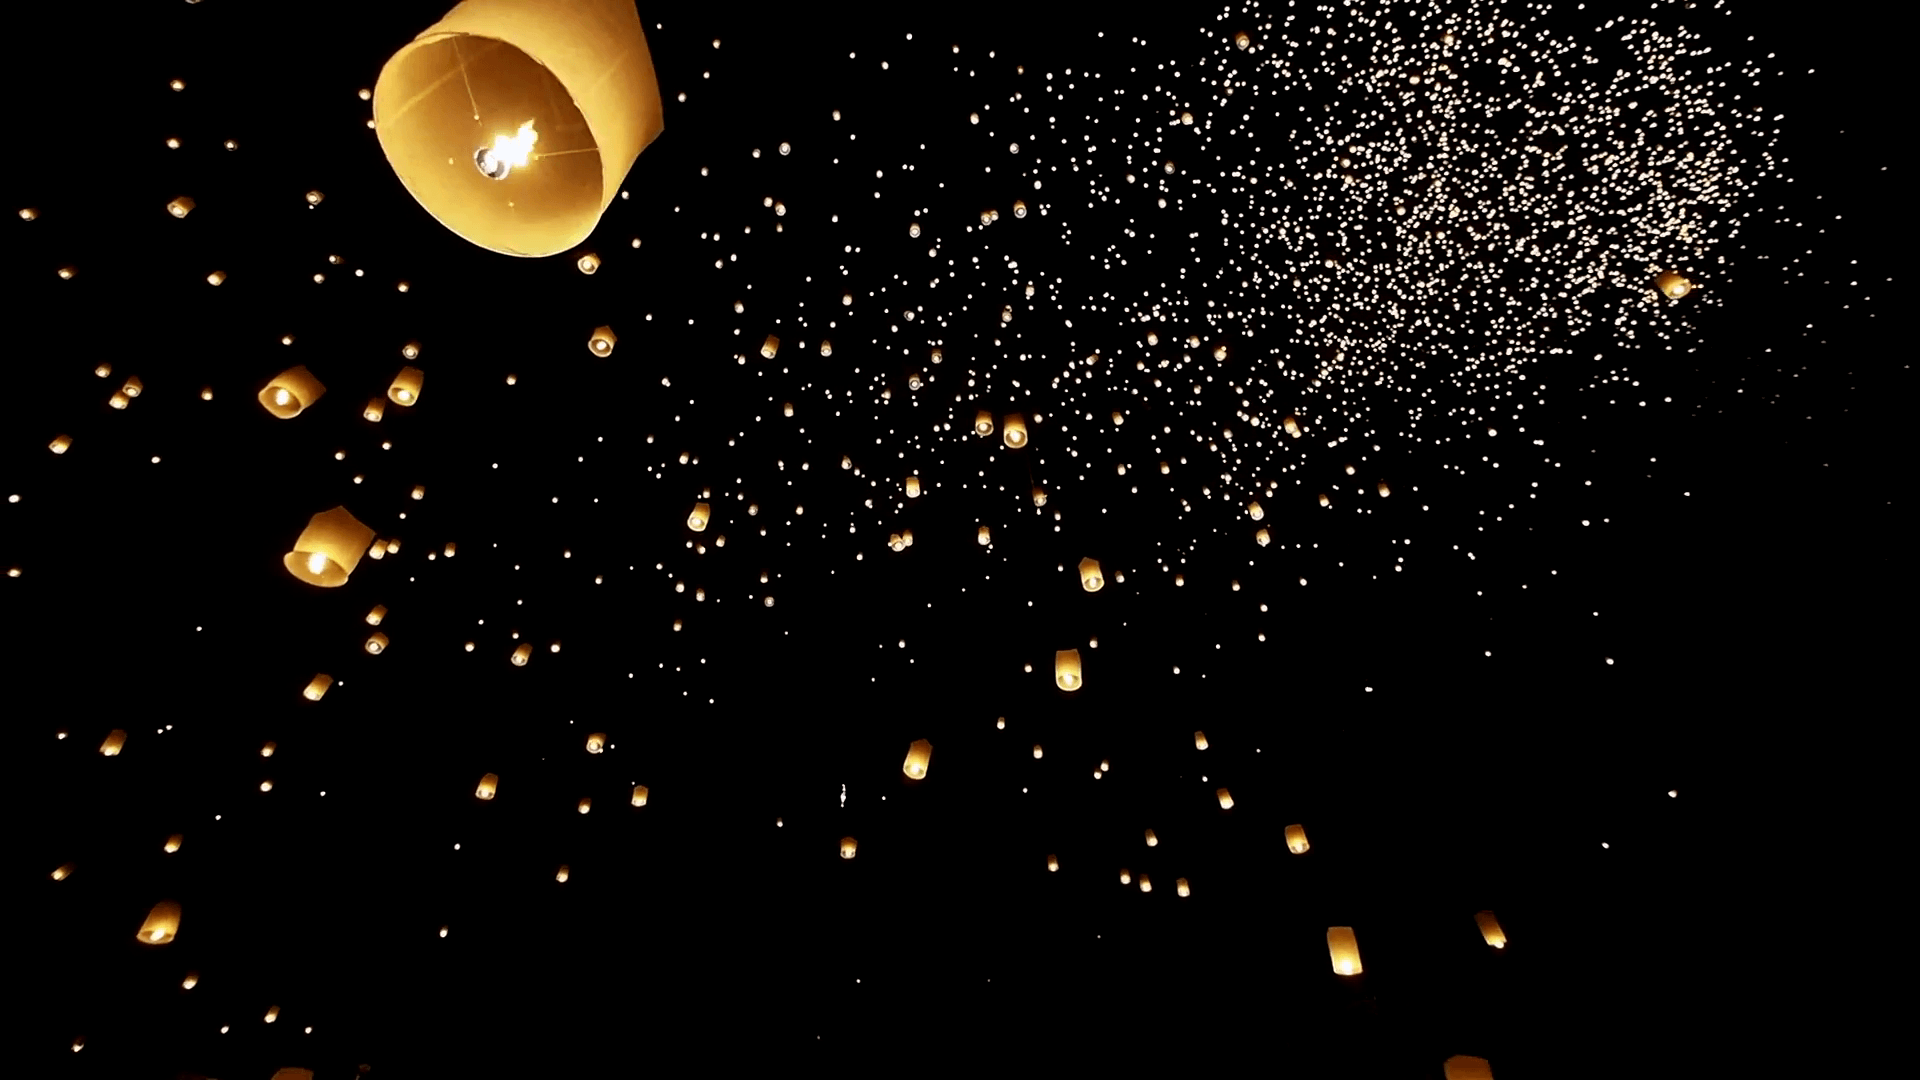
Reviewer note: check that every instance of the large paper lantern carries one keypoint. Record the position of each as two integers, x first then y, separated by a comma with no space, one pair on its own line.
1673,285
1013,431
601,341
1490,929
114,741
287,394
1343,950
848,845
163,922
1297,839
697,519
329,548
639,795
405,389
489,786
919,755
1090,578
514,122
1066,669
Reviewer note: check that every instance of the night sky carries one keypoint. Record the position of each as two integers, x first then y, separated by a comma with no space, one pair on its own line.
1603,588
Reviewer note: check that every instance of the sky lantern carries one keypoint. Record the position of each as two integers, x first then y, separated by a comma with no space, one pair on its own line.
1199,740
405,388
1225,797
377,613
317,688
376,408
984,536
983,423
848,845
1673,285
488,787
1297,839
697,520
521,655
60,443
919,755
1490,929
163,922
585,805
770,348
1090,578
180,207
1254,510
588,262
173,843
1039,496
639,795
1152,840
1013,431
596,742
514,122
1066,670
288,394
328,548
913,487
1343,950
1384,490
601,341
116,739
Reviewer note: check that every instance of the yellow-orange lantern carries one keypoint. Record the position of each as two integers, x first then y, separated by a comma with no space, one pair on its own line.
132,386
163,922
919,756
1673,285
1343,950
1126,876
273,1013
1039,496
521,654
1324,500
1254,511
1090,578
1146,883
317,689
114,741
697,520
1384,490
1463,1067
1490,929
600,342
192,980
848,845
1038,752
63,871
586,805
561,874
173,843
1199,740
1297,839
375,409
411,350
596,742
639,795
180,207
913,487
267,748
1053,863
376,643
1152,840
1225,797
1292,426
405,388
60,443
588,262
514,122
770,348
1066,670
328,548
378,613
983,423
488,787
218,277
287,394
984,536
1013,431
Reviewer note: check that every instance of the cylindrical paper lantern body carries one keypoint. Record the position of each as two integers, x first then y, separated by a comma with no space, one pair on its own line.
329,548
163,922
1343,950
291,391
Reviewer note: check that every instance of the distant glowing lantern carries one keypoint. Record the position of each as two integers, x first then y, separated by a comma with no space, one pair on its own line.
374,616
585,805
173,843
600,343
1324,500
405,389
1013,431
1254,510
826,348
180,207
1490,929
588,262
317,689
1225,797
1199,740
328,548
697,520
1090,578
1241,40
119,399
273,1013
419,491
639,795
489,786
919,755
561,874
847,846
1384,490
163,922
192,980
1462,1067
983,423
1066,669
376,408
267,748
1146,883
1297,839
60,443
984,536
1039,496
460,126
1038,752
376,644
290,392
1053,863
770,348
596,742
1126,876
1673,285
1119,417
63,872
1152,840
1292,426
1343,950
521,654
913,487
114,741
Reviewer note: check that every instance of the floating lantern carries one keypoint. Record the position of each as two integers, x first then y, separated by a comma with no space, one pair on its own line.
1039,496
985,536
132,386
1146,883
405,389
1225,797
787,408
1020,211
291,391
1384,490
376,408
114,741
1254,510
1126,878
847,846
163,922
1324,500
601,342
173,843
1343,950
1462,1067
1490,929
489,786
1152,840
1673,285
1199,740
314,197
1118,418
521,654
1038,752
1066,670
317,689
585,805
697,520
329,548
273,1013
60,443
596,742
1013,431
379,612
983,424
1090,578
411,350
1241,40
770,348
919,755
588,262
267,748
1180,886
192,980
376,644
460,109
103,370
180,207
63,872
1292,426
1297,839
639,795
66,273
419,492
826,348
561,874
1053,864
119,399
913,487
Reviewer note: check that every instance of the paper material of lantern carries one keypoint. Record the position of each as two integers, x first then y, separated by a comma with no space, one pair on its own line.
984,536
565,98
419,492
1090,578
1324,500
163,922
588,262
376,644
180,207
329,548
1490,929
1343,950
639,795
1039,496
1254,510
192,980
1180,886
561,874
287,394
983,424
1013,431
375,409
770,347
317,689
1066,669
586,805
1199,740
697,520
847,846
405,388
378,613
1673,285
1152,840
273,1013
919,756
913,487
114,741
1038,752
601,342
521,655
596,742
173,843
1146,883
1053,863
119,399
1384,490
60,443
1225,797
267,748
63,872
489,786
1126,878
1297,839
1462,1067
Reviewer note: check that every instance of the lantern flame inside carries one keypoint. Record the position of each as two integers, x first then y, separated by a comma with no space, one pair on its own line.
506,152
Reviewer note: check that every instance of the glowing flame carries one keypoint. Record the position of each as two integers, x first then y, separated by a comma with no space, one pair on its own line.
514,150
316,563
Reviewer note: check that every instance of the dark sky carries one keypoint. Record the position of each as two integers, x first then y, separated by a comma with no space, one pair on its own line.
1593,688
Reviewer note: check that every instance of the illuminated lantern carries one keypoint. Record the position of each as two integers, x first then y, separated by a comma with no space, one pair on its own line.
596,742
163,922
1090,578
1384,490
375,409
1118,419
405,389
1199,740
119,399
1038,753
273,1013
919,754
697,521
173,843
1241,40
329,548
291,391
411,350
847,846
1343,950
586,805
1013,431
1292,426
376,644
826,348
983,424
419,491
1225,797
60,443
787,408
180,207
1039,496
489,786
1673,285
314,197
114,741
561,875
1462,1067
1297,839
514,122
1254,511
1180,886
132,386
913,487
1152,840
1324,501
770,348
379,612
1066,669
63,872
588,262
601,341
639,795
1020,211
218,277
1053,863
317,689
521,654
1146,883
192,980
267,748
985,536
1490,929
1126,878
